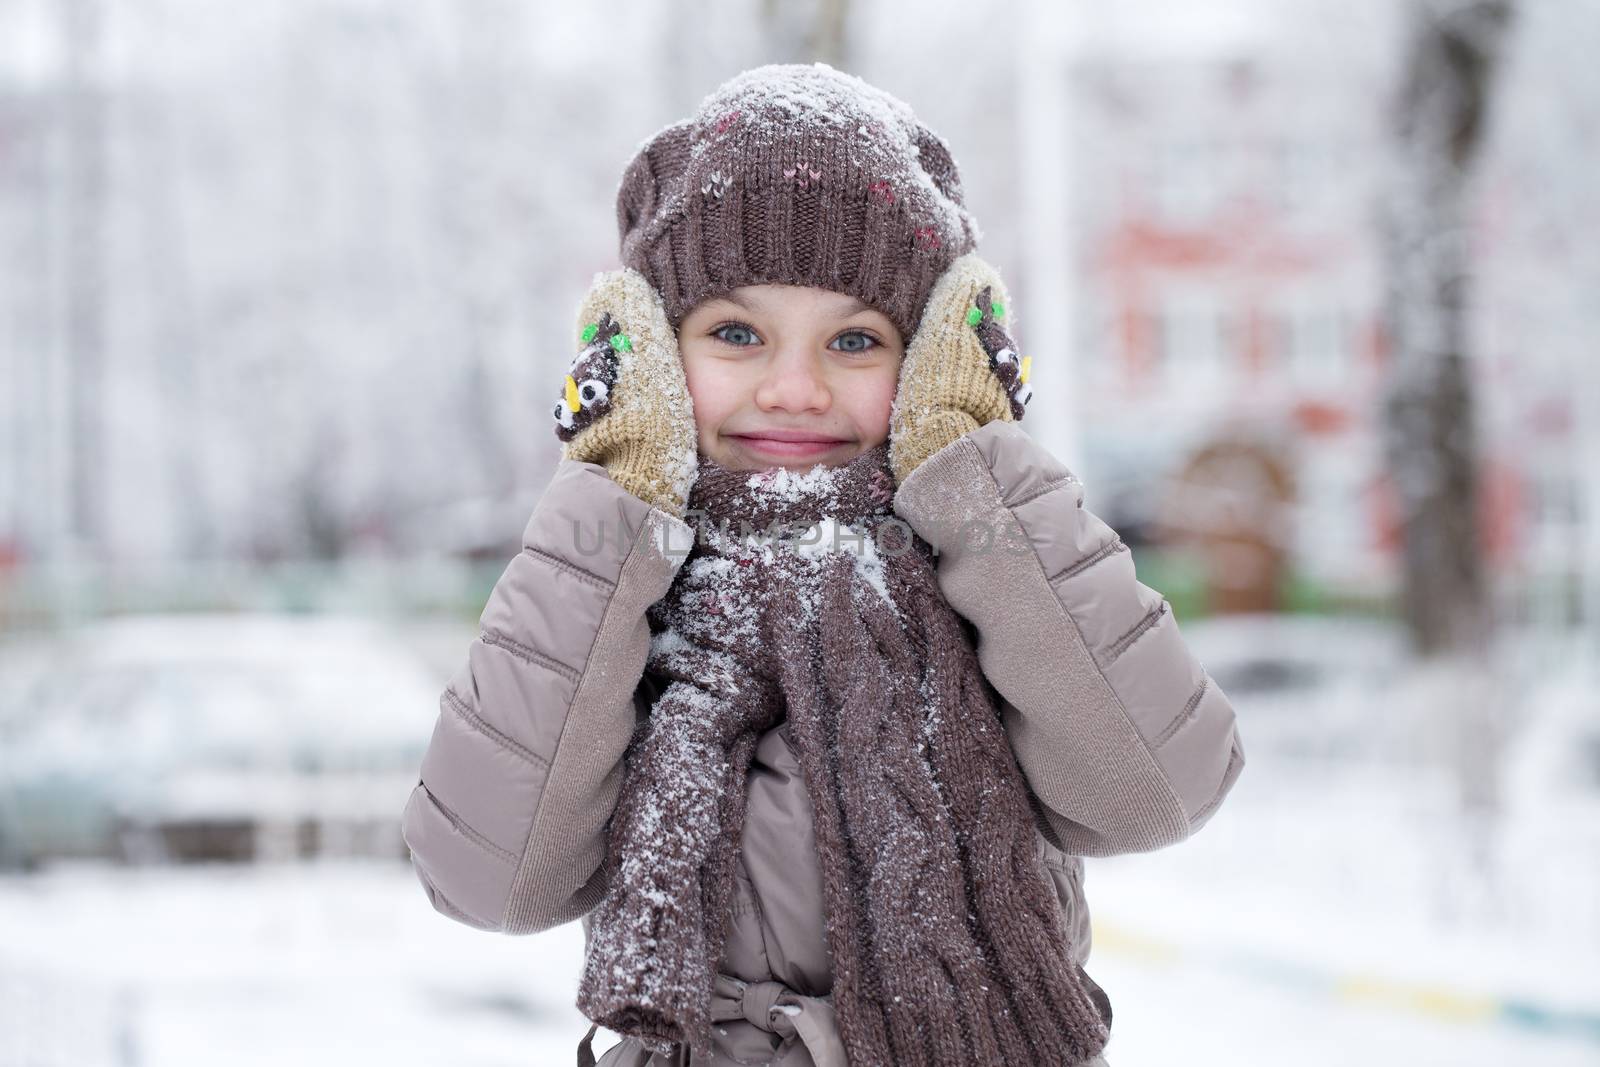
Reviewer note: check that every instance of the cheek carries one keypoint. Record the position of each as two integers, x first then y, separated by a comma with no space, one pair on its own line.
713,394
870,402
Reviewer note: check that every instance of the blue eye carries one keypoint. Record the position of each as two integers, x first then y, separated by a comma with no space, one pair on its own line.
737,334
872,341
737,326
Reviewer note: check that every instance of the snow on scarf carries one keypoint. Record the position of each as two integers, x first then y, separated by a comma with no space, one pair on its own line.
943,928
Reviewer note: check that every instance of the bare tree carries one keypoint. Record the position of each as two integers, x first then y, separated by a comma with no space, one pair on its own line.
1429,430
1430,435
84,193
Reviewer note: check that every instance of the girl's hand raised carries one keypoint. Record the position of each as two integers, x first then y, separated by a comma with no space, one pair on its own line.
962,368
625,402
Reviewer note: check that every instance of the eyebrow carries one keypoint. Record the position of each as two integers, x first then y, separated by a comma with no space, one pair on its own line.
756,304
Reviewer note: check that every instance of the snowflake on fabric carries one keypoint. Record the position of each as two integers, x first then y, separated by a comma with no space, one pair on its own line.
591,376
983,317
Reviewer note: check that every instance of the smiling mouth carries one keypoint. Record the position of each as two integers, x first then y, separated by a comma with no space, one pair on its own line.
788,442
791,436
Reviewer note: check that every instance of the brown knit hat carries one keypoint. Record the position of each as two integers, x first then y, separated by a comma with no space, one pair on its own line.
801,175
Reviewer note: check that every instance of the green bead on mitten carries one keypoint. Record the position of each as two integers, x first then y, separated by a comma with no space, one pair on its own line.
625,401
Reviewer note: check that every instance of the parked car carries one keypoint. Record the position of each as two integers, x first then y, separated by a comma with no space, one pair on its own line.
1304,686
229,737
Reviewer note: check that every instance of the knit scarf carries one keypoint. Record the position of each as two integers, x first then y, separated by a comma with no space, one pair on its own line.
804,595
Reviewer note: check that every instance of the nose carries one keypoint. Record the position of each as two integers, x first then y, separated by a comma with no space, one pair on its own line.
793,381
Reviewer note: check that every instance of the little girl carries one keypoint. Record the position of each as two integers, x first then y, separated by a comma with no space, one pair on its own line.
814,680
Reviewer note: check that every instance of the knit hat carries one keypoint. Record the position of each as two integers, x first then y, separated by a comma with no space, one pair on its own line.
795,174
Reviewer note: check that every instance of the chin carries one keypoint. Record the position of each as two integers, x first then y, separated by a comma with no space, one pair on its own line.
798,465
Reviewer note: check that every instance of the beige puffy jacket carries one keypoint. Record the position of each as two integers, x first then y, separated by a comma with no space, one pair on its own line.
1126,743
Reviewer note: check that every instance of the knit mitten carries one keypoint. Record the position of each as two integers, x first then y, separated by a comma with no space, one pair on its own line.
961,368
625,402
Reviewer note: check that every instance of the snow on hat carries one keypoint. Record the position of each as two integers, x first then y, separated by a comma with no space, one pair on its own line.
795,174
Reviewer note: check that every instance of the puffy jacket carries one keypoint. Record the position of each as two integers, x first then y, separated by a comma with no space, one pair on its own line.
1126,743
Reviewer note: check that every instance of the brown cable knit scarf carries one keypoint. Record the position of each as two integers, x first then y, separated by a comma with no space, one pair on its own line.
944,930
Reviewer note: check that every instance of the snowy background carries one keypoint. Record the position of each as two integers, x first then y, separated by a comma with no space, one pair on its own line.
285,291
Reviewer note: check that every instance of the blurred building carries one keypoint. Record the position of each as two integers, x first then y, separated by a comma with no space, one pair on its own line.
261,300
1228,182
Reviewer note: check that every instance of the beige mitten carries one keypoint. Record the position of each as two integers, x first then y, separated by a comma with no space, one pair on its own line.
961,368
625,402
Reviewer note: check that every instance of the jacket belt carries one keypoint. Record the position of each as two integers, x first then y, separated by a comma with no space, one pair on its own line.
806,1024
776,1008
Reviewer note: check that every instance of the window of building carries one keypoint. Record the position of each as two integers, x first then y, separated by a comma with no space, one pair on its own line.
1311,341
1193,340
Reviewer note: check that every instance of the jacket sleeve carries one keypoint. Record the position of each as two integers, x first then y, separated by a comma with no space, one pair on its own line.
1126,742
506,824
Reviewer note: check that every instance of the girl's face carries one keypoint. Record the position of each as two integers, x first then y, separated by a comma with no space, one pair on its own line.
789,376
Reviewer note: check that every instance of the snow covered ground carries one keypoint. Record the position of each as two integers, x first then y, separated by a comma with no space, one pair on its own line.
1331,911
1305,925
1329,919
320,963
1208,957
